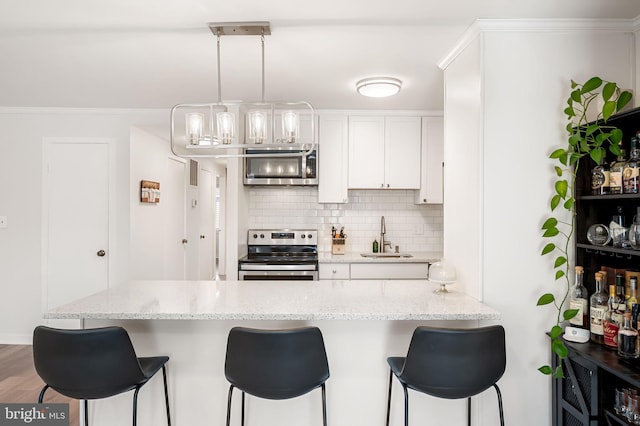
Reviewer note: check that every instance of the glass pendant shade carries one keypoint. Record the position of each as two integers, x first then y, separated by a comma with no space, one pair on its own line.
290,126
442,273
226,127
194,125
257,127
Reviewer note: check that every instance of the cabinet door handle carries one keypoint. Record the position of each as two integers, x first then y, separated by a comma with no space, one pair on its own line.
388,185
334,271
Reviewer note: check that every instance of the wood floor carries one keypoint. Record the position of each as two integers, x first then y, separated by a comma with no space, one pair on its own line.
20,383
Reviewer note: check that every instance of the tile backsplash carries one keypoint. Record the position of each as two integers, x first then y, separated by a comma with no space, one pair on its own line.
414,228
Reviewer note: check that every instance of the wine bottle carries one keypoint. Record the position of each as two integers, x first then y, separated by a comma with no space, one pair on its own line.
598,310
579,299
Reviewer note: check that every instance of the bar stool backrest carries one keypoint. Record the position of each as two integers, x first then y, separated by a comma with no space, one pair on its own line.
276,364
86,364
454,363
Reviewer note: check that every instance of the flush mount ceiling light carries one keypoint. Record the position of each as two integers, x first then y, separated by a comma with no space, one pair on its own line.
225,129
378,87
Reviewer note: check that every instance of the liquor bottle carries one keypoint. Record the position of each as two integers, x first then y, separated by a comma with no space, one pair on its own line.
600,178
579,299
620,296
633,293
627,338
598,310
612,320
615,173
631,172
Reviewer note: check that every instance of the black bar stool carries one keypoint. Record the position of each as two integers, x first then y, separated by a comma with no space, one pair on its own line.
450,363
276,364
93,364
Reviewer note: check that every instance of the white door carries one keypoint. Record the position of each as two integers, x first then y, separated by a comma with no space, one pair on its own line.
402,152
173,202
207,226
366,152
76,219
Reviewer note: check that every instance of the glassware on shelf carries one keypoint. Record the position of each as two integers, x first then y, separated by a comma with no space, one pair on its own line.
619,233
634,231
598,235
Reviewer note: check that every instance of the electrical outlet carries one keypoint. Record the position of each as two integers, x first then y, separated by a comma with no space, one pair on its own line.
3,221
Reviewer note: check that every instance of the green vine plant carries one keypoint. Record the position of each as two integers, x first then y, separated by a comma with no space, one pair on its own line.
585,138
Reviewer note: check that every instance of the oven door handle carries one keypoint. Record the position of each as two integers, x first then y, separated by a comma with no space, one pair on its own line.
276,268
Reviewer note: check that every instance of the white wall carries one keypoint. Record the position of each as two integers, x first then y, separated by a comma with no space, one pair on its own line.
414,228
525,77
23,131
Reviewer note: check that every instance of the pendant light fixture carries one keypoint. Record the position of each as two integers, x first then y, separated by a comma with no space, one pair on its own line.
225,129
378,87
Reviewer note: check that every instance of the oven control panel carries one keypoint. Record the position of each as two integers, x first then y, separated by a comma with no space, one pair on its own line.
282,237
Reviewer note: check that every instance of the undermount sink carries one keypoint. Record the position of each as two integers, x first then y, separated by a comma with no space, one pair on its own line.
385,255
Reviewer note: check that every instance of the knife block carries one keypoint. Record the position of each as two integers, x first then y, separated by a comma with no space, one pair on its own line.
337,245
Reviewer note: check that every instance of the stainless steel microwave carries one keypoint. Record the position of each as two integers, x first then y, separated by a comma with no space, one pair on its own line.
272,168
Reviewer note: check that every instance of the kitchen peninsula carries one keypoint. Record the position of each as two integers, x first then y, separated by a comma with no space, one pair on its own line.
362,321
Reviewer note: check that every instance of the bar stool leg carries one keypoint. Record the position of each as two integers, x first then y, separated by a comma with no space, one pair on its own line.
166,394
86,412
389,395
242,415
468,411
324,405
229,405
406,405
499,404
135,406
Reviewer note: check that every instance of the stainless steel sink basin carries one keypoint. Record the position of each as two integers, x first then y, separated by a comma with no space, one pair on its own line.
386,255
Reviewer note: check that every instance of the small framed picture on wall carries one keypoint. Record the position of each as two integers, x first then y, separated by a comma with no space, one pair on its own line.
149,192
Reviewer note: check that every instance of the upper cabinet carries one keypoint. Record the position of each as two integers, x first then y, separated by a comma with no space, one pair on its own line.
384,152
332,153
432,156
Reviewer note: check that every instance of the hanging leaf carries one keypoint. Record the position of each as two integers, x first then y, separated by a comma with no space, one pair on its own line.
561,188
558,373
570,313
552,222
548,249
559,274
623,99
568,205
616,136
550,233
560,260
608,90
559,348
608,109
557,153
575,95
556,331
558,171
592,84
597,154
545,369
555,201
545,299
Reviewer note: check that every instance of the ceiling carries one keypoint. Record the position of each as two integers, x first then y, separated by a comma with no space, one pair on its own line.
157,53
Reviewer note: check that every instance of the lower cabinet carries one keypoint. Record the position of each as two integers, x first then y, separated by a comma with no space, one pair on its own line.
586,395
334,271
373,271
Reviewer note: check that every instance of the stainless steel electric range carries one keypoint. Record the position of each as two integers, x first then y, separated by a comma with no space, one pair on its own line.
280,254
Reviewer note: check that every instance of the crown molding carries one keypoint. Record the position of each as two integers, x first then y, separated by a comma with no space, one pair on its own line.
536,25
75,110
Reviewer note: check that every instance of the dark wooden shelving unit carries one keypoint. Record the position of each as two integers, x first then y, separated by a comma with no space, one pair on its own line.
593,372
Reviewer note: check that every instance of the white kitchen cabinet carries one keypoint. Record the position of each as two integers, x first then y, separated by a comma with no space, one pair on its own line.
384,152
389,271
432,157
332,162
334,271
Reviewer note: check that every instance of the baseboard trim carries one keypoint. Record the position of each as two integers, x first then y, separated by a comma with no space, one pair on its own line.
16,339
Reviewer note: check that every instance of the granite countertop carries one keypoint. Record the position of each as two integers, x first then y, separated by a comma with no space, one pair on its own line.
418,257
276,300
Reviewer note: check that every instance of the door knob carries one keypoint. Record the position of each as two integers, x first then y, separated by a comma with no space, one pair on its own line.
101,253
202,237
185,241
